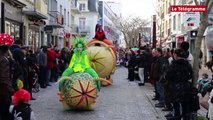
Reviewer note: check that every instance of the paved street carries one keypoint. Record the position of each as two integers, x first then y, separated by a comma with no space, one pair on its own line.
122,101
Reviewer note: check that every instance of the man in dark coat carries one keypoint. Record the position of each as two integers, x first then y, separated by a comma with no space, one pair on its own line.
159,70
179,75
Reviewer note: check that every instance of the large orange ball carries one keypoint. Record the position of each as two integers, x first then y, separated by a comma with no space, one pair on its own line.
103,59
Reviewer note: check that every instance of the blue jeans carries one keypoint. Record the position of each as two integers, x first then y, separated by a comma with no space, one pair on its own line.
160,90
48,76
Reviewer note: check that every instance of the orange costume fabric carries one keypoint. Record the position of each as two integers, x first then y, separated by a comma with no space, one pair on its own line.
108,42
100,36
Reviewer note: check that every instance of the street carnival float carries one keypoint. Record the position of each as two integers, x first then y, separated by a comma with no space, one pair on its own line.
102,54
79,84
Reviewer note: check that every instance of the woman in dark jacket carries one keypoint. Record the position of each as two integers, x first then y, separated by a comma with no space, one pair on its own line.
63,60
131,66
6,84
141,66
178,75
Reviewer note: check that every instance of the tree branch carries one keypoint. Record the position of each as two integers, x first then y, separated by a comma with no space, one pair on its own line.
196,2
207,2
209,6
125,38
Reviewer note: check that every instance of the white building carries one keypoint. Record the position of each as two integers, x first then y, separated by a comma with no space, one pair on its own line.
59,22
117,9
84,23
109,20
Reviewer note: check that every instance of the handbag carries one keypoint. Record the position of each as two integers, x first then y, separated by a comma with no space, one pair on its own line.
204,101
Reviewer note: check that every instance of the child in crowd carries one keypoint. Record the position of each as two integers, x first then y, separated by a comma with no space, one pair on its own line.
203,84
21,108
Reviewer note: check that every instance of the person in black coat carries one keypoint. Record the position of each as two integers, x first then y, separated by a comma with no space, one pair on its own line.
179,75
159,70
141,67
131,66
21,109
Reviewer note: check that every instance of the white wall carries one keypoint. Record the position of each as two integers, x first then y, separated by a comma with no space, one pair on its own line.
116,8
91,21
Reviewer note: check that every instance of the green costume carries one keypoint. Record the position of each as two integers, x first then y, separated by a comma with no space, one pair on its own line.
80,63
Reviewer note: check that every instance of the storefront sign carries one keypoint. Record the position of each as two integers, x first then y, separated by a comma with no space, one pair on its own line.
188,8
48,29
191,19
180,38
13,13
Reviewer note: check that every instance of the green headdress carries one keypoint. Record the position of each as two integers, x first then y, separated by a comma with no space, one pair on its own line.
81,41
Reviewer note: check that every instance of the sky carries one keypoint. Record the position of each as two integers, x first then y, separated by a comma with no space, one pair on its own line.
142,8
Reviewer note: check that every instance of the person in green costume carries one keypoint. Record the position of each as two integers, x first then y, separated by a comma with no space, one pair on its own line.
79,63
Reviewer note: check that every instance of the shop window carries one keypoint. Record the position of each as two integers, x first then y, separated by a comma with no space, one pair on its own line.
12,29
17,32
7,27
65,16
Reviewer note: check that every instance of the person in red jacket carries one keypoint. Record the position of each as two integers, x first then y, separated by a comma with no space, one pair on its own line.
99,33
51,63
54,72
100,36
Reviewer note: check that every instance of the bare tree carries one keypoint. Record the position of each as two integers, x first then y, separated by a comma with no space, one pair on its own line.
130,28
202,27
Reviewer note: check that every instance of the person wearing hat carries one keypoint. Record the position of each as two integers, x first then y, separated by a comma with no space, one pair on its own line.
6,84
100,36
21,109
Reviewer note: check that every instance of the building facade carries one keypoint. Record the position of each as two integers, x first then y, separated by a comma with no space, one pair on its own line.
74,25
35,14
117,9
84,23
59,23
12,18
108,20
176,27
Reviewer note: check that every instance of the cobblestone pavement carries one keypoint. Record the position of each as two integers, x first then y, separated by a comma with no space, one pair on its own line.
123,100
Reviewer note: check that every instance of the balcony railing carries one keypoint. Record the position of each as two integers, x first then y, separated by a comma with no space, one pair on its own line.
56,19
84,29
79,29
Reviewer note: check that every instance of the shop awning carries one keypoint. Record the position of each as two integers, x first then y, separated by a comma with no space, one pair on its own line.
55,26
35,14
